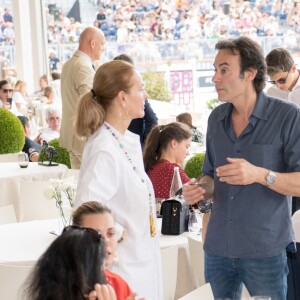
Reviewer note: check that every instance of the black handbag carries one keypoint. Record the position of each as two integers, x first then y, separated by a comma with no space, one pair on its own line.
175,216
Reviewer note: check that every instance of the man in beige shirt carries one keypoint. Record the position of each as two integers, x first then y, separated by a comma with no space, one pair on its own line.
77,79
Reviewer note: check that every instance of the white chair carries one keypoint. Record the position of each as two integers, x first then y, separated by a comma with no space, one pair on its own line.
10,157
33,203
169,258
296,225
197,260
7,214
12,277
203,292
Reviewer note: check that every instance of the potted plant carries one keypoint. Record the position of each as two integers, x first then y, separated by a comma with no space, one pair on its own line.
12,135
193,167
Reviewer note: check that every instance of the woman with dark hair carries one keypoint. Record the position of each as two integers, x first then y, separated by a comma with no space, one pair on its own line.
94,215
112,171
70,267
166,147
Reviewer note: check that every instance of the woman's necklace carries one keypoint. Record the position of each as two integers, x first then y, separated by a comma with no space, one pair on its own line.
135,169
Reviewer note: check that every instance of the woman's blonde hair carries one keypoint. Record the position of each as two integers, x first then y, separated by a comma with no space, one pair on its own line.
19,84
110,79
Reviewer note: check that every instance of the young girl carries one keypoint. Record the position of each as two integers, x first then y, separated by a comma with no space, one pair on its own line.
94,215
166,147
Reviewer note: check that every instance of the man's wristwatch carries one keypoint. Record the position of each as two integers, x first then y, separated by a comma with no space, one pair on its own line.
270,178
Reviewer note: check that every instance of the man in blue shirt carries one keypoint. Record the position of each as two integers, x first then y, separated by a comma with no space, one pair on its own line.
252,166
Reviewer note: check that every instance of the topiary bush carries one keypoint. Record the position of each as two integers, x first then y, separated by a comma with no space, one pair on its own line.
193,167
156,86
212,103
12,135
62,157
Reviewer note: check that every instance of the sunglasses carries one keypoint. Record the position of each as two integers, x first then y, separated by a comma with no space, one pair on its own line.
96,234
281,80
7,91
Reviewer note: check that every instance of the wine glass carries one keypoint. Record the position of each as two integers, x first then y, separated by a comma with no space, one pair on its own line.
23,160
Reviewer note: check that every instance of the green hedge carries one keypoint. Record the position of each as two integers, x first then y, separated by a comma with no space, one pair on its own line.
12,135
193,167
62,157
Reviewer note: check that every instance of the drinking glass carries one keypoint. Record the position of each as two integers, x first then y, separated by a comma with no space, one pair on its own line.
195,222
23,160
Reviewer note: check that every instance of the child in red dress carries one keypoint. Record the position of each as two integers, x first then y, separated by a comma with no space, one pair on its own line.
166,147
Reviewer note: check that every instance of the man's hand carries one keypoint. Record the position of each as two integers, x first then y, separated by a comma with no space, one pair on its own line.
192,193
238,172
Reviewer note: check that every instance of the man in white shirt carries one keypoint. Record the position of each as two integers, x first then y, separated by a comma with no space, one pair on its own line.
284,75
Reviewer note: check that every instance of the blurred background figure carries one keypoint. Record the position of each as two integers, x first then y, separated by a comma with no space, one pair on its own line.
19,95
6,102
54,62
55,84
31,147
141,126
166,147
186,118
283,74
67,269
53,119
43,83
48,96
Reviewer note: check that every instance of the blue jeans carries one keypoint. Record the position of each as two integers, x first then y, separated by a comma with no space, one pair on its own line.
262,276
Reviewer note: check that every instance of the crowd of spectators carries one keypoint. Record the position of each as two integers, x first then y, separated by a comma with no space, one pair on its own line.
7,35
145,20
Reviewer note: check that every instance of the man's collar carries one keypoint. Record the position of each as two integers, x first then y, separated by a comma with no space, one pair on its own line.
259,111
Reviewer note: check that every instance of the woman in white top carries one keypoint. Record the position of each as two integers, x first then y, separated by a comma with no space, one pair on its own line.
112,170
19,94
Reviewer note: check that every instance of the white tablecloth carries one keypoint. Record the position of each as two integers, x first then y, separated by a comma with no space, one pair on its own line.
23,243
185,280
11,175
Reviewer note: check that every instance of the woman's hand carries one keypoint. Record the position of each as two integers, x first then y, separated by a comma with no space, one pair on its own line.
103,292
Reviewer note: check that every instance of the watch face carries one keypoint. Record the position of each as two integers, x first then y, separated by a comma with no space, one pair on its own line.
271,178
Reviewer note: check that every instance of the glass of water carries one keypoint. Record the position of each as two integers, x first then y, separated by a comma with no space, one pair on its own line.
195,222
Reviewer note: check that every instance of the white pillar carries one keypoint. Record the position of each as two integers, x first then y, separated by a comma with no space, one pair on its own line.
31,41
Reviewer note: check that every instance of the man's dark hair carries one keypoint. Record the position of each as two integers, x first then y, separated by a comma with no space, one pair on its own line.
279,60
2,83
125,57
55,75
251,57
